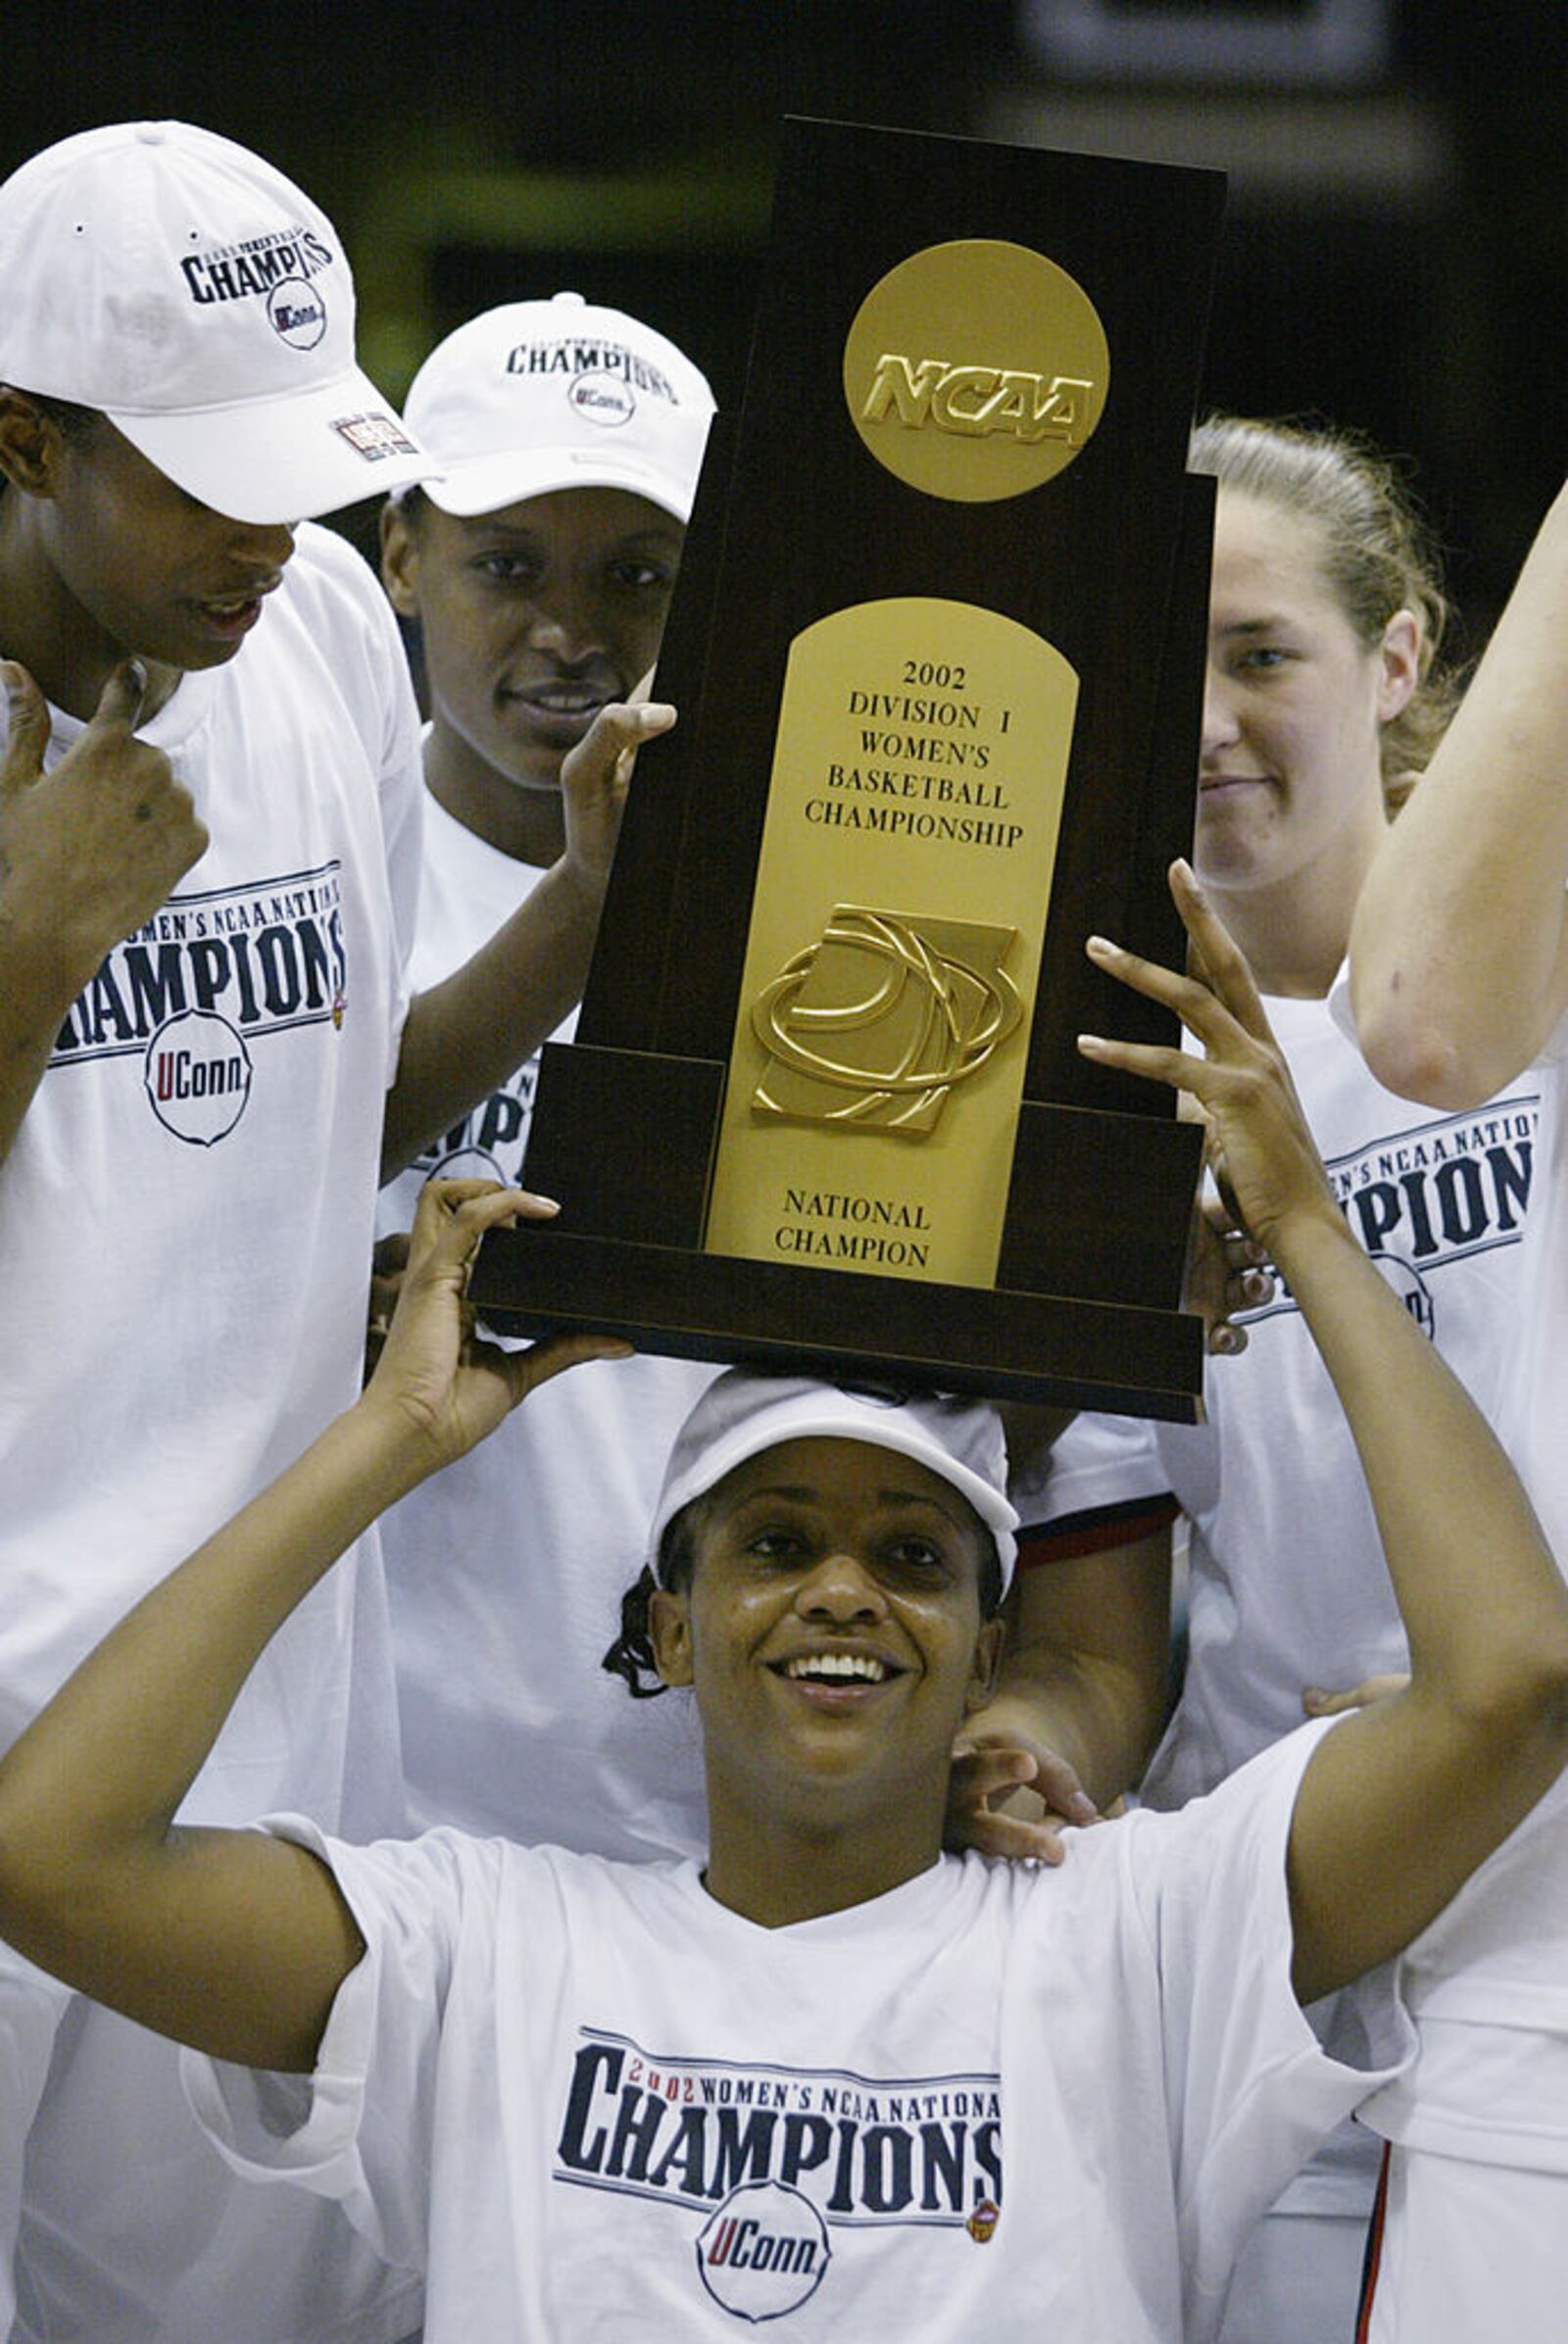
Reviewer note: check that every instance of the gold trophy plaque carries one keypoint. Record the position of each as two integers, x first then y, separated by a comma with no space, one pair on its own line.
937,647
877,1062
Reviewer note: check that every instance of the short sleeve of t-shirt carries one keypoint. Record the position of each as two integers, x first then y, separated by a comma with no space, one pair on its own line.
1556,1045
1098,1462
370,2108
1246,2087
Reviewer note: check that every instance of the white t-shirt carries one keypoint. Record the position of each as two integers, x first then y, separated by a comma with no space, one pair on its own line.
998,2102
185,1216
1286,1583
1490,1979
506,1572
185,1224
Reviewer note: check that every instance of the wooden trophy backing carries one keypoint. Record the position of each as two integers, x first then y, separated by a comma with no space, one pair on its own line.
794,520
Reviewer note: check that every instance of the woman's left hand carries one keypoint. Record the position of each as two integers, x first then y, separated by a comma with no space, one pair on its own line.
595,777
1009,1797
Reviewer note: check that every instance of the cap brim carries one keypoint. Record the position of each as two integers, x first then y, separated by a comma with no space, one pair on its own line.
820,1416
489,482
265,461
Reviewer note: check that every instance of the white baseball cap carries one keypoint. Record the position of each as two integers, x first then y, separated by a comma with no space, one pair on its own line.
542,395
742,1414
194,295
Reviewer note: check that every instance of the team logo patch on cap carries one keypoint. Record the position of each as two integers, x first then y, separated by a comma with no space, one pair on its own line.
600,399
297,314
764,2251
374,436
198,1076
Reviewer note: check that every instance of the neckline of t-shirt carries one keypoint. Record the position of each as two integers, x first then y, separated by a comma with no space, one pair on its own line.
901,1908
1292,1012
507,872
181,715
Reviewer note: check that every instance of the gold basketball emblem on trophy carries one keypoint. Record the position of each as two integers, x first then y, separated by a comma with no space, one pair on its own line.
976,370
877,1022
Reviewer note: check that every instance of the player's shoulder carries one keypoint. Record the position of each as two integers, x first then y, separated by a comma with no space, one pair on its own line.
324,564
336,602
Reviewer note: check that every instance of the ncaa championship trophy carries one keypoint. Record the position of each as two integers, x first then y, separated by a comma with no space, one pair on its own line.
937,647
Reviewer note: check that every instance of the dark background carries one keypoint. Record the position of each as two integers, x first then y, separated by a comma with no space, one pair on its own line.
1393,253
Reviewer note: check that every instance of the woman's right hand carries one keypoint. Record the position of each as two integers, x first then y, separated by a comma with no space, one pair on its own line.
440,1381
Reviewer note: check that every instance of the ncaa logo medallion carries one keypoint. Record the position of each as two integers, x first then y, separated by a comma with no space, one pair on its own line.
976,370
764,2251
197,1074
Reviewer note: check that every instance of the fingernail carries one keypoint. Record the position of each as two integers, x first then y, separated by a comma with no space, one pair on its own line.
1090,1044
1098,948
1081,1807
1313,1698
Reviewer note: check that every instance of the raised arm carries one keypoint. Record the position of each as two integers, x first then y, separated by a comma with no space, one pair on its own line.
1459,947
1403,1800
87,851
233,1941
464,1035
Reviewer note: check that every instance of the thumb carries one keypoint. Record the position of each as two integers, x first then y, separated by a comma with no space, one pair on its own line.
26,726
121,700
553,1355
619,728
